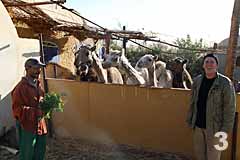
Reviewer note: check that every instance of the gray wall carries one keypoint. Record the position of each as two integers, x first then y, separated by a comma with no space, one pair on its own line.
222,63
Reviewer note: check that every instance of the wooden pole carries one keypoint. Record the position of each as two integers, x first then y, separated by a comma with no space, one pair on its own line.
124,41
24,4
42,59
230,63
125,53
107,42
55,71
45,84
233,40
234,137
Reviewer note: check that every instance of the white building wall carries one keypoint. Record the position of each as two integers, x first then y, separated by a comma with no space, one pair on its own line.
13,53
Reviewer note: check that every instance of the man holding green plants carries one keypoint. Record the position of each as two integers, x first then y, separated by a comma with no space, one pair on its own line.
31,125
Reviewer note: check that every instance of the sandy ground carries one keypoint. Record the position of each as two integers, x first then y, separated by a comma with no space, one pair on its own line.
78,149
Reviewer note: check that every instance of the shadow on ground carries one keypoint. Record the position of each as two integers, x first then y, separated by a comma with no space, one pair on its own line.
78,149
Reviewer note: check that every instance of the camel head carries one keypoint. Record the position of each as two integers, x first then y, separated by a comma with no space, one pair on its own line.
177,65
112,59
83,59
181,77
160,68
146,61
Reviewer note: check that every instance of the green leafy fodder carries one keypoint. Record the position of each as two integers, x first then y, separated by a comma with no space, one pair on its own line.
51,102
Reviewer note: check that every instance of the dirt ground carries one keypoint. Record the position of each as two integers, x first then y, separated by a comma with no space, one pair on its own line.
78,149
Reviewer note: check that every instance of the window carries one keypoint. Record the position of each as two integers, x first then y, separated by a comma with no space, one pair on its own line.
51,52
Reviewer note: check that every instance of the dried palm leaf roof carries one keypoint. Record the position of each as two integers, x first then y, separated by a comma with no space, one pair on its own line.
52,17
48,17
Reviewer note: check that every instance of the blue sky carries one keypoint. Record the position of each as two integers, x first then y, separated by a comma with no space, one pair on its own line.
207,19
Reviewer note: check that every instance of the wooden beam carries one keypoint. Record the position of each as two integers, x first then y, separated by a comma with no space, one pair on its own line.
125,32
233,40
22,4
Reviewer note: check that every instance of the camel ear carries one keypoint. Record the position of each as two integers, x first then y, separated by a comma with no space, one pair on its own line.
156,57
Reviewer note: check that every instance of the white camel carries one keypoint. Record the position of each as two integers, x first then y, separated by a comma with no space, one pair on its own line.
118,59
154,72
163,75
87,56
147,67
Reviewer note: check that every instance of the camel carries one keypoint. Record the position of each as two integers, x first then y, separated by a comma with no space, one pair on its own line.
86,56
86,73
147,67
181,77
118,59
154,72
163,75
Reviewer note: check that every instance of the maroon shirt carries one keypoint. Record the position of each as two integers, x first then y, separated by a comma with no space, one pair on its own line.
25,102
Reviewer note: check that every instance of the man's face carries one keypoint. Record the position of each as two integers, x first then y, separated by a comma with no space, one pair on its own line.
34,72
210,65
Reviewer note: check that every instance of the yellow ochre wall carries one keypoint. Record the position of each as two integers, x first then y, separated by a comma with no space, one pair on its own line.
148,117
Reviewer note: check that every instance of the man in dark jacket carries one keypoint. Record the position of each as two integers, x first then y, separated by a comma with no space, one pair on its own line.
212,111
29,118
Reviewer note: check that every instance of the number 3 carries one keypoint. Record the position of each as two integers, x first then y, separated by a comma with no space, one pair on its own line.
222,139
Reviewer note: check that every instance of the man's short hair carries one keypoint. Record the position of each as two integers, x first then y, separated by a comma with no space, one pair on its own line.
32,62
210,55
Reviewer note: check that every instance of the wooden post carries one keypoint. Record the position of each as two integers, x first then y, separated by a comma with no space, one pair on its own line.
42,59
125,53
124,40
45,84
55,71
107,41
230,63
233,40
234,137
215,46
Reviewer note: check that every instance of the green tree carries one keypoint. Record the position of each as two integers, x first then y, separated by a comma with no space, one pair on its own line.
191,53
114,45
